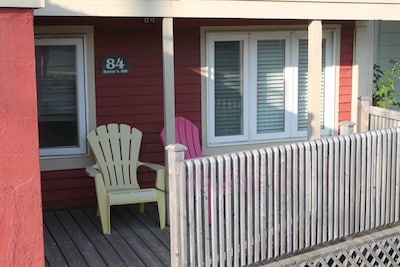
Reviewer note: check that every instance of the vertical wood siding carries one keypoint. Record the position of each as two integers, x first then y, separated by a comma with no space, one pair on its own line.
137,98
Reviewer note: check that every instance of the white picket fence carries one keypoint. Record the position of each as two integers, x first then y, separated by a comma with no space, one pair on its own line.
240,208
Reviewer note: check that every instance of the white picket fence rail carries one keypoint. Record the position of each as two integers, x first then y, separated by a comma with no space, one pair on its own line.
240,208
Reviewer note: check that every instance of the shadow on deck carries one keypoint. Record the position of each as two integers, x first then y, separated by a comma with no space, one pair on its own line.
73,237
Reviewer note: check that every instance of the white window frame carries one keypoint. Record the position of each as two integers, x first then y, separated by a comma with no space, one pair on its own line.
62,158
245,86
78,42
256,137
291,133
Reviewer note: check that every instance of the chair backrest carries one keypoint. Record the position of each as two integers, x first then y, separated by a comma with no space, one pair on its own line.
187,134
116,149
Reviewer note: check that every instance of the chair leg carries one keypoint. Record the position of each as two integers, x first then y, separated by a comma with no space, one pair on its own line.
141,207
104,211
161,208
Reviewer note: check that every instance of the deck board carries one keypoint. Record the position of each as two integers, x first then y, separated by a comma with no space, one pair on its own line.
68,249
80,239
54,256
73,237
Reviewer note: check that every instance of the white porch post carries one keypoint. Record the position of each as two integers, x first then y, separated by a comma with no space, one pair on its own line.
314,78
363,73
169,91
169,81
176,153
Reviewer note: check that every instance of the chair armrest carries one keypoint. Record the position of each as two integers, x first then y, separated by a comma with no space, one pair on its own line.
92,171
160,172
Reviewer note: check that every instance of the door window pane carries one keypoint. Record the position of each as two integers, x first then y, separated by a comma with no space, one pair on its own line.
228,89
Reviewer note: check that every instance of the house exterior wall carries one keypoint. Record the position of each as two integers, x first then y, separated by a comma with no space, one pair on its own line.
136,98
21,230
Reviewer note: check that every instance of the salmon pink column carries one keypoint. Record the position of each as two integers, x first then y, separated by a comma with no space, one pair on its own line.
21,231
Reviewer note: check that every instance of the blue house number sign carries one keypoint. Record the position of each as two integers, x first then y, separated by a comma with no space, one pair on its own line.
115,65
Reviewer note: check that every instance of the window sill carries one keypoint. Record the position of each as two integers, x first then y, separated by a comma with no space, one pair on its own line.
66,163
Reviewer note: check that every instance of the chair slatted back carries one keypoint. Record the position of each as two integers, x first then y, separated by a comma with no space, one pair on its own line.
116,149
187,134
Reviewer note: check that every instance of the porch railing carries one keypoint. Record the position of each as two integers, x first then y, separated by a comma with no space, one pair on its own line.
240,208
373,118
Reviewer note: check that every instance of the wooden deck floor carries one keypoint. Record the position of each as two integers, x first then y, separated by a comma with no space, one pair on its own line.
73,237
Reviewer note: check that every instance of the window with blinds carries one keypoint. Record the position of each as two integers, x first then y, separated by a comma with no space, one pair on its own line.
257,86
61,95
270,86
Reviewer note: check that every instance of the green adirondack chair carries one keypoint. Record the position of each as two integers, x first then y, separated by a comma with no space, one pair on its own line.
116,149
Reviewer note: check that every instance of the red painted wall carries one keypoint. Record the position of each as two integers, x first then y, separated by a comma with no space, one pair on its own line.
21,232
137,98
345,79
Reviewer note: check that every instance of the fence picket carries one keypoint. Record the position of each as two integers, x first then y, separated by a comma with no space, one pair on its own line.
289,198
206,220
236,242
295,200
361,177
282,199
183,218
321,179
397,179
337,190
257,193
378,180
190,209
228,208
330,184
263,205
392,174
315,229
373,180
242,208
302,196
347,186
342,188
199,213
352,183
270,239
222,190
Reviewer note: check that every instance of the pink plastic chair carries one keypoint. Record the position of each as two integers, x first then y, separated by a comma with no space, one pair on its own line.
187,134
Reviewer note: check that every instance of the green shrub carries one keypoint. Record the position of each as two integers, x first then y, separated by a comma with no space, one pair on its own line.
385,81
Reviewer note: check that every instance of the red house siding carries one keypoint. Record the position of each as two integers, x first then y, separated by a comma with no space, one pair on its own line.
345,79
21,231
67,188
136,98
